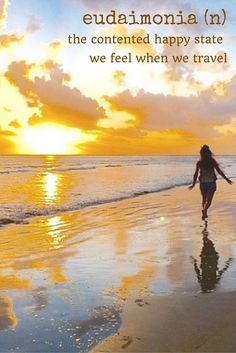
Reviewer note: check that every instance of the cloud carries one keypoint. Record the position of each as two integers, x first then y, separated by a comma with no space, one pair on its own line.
119,77
7,146
154,5
125,31
57,102
3,13
53,50
178,76
157,112
15,124
95,5
34,24
133,141
7,40
56,44
7,133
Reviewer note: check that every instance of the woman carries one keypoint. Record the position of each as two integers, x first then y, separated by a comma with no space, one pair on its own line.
207,166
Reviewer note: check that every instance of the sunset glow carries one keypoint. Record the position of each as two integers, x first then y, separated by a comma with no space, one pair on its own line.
51,139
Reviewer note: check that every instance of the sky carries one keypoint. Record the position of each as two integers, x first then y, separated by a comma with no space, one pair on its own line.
53,100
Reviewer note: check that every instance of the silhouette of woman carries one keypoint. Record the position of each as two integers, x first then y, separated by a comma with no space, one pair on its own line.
207,166
208,274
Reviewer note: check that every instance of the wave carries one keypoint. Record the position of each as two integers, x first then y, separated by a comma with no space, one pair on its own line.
113,166
7,221
68,169
50,170
21,217
31,169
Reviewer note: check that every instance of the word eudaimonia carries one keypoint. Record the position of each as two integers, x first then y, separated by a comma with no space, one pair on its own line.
114,18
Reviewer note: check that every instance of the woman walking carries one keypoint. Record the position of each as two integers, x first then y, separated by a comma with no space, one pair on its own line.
207,166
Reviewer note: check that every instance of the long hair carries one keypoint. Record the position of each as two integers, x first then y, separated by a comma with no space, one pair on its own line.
207,159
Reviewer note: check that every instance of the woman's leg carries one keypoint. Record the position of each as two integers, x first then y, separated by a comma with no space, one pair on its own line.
209,198
204,197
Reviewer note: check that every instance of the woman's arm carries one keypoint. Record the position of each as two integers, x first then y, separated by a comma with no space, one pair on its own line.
195,176
223,174
196,268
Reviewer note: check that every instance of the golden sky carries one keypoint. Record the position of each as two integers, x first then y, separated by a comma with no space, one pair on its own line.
53,100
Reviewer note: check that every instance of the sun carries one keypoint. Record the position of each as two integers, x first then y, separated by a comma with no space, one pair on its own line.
54,139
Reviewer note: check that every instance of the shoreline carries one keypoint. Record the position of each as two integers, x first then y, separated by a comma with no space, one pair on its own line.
8,221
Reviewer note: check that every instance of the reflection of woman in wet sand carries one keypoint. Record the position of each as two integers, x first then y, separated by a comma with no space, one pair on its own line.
207,166
208,274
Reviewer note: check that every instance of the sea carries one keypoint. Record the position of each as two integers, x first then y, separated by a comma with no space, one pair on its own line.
48,185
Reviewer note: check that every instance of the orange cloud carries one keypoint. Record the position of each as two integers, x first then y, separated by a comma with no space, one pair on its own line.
57,102
134,141
7,133
53,49
7,41
56,44
3,12
119,77
123,31
7,146
15,124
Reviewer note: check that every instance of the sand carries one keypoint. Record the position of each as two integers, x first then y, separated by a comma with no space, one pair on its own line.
176,323
188,321
138,275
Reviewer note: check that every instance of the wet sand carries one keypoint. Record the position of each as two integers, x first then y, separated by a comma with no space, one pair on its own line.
144,274
176,323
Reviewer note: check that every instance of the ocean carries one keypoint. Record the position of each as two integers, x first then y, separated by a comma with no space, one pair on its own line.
47,185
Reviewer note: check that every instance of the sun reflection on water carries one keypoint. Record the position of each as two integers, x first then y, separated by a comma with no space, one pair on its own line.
50,161
55,225
50,185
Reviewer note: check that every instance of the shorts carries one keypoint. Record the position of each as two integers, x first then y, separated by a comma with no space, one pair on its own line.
208,186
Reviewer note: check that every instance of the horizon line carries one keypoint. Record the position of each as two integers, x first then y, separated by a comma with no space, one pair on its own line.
107,155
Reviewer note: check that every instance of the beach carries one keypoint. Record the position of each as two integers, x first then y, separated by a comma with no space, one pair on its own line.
117,129
122,276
